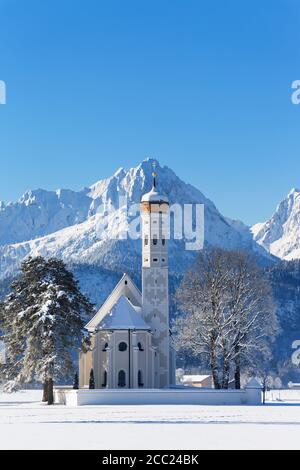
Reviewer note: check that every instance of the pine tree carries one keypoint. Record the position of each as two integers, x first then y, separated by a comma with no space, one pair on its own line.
92,380
44,319
76,382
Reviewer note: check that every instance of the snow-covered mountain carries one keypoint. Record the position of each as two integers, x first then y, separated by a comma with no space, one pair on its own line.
80,228
281,234
41,212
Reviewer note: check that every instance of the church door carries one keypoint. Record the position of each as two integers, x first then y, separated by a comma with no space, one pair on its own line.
121,379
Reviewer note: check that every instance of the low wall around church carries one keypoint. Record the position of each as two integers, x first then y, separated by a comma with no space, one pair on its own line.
181,396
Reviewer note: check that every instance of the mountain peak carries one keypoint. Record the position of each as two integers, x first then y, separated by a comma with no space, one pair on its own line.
280,235
294,192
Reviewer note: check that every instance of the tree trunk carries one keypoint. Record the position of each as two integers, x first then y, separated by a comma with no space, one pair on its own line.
50,392
225,379
237,374
45,391
214,368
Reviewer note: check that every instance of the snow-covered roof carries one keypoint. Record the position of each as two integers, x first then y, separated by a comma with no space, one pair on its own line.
124,287
154,196
253,383
123,316
194,378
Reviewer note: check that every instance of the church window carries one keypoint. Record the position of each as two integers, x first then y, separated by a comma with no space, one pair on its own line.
146,241
140,346
155,260
104,379
121,379
122,346
125,283
140,379
154,239
105,347
163,240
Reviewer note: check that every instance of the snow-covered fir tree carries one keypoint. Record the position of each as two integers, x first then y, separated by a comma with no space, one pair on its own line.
43,318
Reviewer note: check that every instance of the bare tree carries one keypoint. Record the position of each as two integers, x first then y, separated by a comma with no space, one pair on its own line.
252,310
228,313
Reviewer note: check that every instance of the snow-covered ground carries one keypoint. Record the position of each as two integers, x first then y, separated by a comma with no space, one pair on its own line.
26,423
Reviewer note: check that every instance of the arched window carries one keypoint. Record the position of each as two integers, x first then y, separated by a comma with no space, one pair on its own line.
121,379
139,345
105,347
163,240
154,239
140,379
122,346
104,379
146,240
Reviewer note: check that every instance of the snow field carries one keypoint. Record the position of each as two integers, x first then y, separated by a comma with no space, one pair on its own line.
26,423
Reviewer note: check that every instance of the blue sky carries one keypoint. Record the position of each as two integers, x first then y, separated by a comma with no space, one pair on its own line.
204,86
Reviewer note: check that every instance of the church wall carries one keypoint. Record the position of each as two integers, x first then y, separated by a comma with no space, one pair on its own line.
100,358
85,365
172,366
106,356
142,360
121,360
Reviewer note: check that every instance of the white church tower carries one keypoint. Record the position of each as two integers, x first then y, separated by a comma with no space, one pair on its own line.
155,289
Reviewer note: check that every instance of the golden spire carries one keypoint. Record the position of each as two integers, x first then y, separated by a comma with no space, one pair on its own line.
154,174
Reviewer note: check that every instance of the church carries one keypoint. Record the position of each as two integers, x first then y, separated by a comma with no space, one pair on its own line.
131,346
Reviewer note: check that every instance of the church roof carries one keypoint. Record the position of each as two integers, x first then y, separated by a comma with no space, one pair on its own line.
124,287
123,316
154,196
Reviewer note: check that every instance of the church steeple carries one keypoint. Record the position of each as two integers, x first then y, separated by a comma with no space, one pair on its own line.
155,292
154,196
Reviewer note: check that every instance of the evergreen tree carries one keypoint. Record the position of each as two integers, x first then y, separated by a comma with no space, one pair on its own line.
76,382
43,319
92,380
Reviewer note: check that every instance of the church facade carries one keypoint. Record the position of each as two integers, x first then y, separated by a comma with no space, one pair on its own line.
131,345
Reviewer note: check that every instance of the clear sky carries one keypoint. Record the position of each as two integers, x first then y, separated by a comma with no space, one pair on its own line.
204,86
